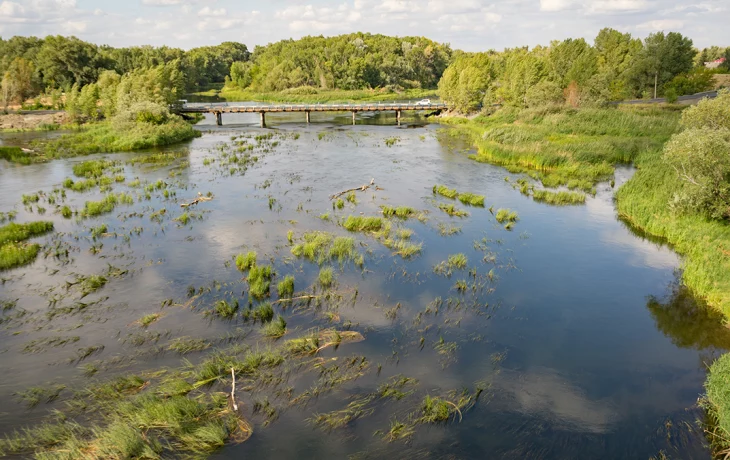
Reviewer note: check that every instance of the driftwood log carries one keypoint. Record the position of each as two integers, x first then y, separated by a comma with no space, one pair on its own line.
198,199
361,188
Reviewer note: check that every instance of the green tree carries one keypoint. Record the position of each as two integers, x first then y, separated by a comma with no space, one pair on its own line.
663,57
17,83
465,82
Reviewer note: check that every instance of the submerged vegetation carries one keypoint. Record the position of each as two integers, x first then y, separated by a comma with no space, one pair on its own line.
14,251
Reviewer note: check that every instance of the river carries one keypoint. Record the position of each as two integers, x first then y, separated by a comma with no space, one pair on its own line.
576,328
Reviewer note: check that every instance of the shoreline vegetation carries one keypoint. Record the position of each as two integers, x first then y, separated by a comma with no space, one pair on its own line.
308,94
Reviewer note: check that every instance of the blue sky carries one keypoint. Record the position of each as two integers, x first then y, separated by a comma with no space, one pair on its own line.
471,25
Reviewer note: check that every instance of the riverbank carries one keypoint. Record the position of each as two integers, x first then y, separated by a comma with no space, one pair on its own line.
21,122
313,95
578,148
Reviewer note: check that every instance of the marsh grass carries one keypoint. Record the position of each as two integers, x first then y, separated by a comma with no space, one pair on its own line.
275,328
17,155
285,288
263,312
106,205
404,212
259,281
147,320
453,262
452,210
363,224
568,147
506,215
93,168
246,261
326,277
184,345
471,199
403,247
225,309
445,191
36,395
107,137
320,247
561,198
14,232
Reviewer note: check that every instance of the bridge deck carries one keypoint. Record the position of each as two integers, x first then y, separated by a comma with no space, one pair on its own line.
269,108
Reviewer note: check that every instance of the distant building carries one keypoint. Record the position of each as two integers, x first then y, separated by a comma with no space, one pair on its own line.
715,64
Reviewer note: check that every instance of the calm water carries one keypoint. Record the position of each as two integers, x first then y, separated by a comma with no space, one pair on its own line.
582,333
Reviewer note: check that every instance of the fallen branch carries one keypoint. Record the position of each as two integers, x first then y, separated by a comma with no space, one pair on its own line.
233,390
457,410
198,199
362,188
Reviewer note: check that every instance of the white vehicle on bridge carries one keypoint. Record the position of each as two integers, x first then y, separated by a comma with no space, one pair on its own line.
424,102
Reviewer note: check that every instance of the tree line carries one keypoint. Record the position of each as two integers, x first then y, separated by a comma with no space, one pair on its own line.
616,67
30,66
346,62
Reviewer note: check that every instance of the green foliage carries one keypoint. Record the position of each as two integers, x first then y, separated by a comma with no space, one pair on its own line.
320,247
14,233
263,312
226,309
353,61
275,328
259,281
699,155
363,224
445,191
326,277
285,288
698,80
506,215
403,212
465,82
117,137
14,255
15,155
559,198
246,261
718,397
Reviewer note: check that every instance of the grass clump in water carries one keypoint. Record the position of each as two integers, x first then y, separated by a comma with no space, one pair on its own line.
14,252
285,287
363,224
107,205
146,320
471,199
326,277
226,309
184,345
259,281
452,210
445,191
404,212
246,261
92,168
561,198
275,328
454,262
15,155
403,247
320,247
506,215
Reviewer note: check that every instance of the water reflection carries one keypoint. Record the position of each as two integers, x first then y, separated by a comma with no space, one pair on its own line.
687,321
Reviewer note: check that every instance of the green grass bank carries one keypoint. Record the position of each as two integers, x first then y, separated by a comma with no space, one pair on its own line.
576,148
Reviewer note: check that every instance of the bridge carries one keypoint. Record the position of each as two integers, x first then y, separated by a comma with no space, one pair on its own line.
239,107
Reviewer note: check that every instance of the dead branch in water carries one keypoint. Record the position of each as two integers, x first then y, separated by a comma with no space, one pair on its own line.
362,188
233,390
198,199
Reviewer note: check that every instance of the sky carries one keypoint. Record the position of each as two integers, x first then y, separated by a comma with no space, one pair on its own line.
470,25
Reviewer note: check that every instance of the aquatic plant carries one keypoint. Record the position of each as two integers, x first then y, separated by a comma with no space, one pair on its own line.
184,345
285,288
226,309
259,281
320,247
561,198
326,277
363,224
445,191
452,210
403,212
506,215
471,199
246,261
146,320
275,328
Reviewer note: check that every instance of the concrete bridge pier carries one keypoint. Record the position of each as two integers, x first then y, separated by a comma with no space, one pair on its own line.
353,117
219,118
307,113
263,119
397,116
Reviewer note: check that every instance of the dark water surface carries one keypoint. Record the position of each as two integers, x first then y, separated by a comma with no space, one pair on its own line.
579,329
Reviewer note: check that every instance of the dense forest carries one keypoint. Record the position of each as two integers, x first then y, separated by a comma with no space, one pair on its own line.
353,61
76,75
616,67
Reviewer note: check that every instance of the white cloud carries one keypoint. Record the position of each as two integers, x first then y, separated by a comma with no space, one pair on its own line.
618,6
74,26
208,11
661,24
556,5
